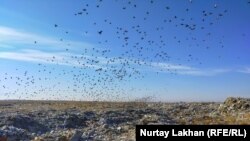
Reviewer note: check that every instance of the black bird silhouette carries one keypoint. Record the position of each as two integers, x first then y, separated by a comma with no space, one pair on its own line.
100,32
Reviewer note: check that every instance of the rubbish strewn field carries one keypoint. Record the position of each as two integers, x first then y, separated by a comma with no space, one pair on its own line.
67,120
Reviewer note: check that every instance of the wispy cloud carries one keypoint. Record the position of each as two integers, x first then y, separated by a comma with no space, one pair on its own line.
15,36
56,58
77,60
245,70
6,46
168,66
8,36
204,72
62,58
187,70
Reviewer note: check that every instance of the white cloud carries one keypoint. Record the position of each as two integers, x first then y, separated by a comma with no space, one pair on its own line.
187,70
62,58
8,36
168,66
59,58
246,70
204,72
6,46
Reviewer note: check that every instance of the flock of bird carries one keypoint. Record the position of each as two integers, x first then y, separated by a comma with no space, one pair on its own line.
101,73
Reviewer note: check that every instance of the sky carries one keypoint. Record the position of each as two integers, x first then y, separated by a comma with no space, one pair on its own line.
124,50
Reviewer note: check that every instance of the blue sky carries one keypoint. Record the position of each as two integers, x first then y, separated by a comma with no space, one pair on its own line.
167,50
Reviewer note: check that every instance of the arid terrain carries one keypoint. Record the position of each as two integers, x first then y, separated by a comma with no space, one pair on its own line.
79,121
